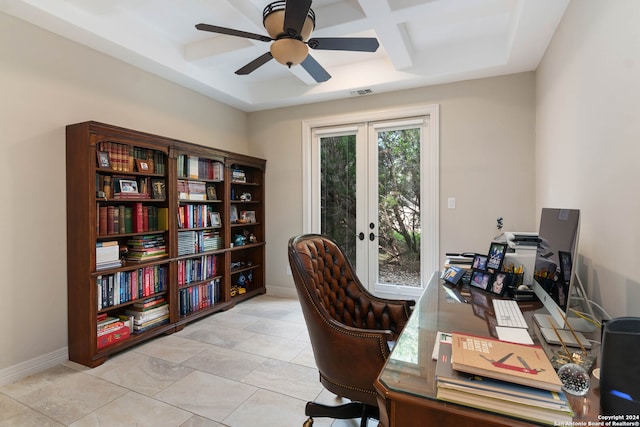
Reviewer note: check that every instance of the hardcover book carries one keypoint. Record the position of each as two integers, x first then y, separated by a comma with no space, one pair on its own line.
518,363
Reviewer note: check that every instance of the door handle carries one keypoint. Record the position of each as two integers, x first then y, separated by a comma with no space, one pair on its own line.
372,237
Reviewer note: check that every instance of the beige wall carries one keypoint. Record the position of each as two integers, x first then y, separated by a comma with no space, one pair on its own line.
588,142
47,82
486,161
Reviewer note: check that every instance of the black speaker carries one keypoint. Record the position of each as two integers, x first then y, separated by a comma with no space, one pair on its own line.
619,367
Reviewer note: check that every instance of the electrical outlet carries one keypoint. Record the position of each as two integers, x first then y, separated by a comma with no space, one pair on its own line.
451,203
288,271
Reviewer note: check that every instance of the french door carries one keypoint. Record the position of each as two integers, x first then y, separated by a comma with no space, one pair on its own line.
372,190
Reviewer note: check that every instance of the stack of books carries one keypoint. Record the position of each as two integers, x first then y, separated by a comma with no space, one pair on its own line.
146,248
511,379
112,329
107,255
149,313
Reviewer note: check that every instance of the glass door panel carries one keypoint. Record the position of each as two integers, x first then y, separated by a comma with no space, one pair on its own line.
398,255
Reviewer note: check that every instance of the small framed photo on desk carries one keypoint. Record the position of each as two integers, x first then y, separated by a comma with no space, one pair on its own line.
496,255
498,283
480,279
479,262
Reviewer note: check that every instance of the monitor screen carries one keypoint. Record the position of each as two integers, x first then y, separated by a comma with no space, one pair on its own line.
556,257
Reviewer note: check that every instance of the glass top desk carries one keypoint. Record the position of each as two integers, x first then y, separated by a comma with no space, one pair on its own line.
407,386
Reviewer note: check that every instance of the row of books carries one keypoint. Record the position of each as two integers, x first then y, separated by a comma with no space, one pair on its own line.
124,286
149,313
197,269
193,242
511,379
122,157
198,297
197,216
200,168
138,218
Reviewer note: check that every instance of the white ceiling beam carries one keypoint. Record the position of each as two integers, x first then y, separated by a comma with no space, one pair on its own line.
391,35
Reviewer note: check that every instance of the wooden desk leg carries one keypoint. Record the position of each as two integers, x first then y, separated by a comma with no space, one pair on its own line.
384,411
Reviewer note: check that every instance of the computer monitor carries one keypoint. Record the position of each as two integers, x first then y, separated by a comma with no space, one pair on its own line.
555,274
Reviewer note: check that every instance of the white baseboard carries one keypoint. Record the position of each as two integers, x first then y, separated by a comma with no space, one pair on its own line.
33,366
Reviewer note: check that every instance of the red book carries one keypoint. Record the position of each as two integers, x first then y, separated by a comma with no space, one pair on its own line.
113,337
145,218
138,223
110,211
102,221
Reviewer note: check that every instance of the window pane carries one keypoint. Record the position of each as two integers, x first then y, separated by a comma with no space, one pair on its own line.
338,191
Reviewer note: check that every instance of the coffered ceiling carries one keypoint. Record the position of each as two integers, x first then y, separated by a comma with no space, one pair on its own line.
422,42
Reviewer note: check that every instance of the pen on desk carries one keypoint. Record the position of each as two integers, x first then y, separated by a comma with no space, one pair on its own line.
561,340
588,319
575,337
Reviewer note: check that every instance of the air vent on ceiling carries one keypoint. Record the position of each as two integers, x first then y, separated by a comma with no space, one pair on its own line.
361,92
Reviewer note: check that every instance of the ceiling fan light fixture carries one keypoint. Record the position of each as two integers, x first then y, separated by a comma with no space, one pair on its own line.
289,52
273,20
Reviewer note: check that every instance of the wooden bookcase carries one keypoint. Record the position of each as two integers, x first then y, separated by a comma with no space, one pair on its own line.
149,224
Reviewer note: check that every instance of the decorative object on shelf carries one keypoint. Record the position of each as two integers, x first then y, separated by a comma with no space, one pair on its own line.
248,216
143,166
103,160
238,175
158,188
215,219
234,214
211,192
239,240
128,186
245,197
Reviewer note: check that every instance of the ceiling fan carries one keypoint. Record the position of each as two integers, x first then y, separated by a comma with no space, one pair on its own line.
289,24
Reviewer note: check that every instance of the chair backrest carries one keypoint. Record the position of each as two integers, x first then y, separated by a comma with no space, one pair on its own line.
349,328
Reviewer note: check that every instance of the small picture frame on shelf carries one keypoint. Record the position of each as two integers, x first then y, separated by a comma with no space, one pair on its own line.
498,283
143,166
248,216
103,160
128,186
211,192
158,189
479,262
480,279
215,219
496,255
233,217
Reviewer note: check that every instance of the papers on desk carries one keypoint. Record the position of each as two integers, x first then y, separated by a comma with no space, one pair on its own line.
441,337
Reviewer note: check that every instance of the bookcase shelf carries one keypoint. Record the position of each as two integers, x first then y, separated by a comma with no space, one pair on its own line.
130,196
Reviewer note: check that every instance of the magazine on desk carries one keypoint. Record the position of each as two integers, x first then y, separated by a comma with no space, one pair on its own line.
517,363
503,397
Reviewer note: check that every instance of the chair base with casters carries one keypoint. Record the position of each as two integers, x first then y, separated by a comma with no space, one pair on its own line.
342,412
350,329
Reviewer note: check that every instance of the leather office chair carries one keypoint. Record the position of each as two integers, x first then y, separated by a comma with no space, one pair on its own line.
350,329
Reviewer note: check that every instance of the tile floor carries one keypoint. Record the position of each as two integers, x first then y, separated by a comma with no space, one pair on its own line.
249,366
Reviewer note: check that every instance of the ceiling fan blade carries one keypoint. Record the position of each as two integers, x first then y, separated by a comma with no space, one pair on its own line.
295,13
256,63
358,44
316,71
232,32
